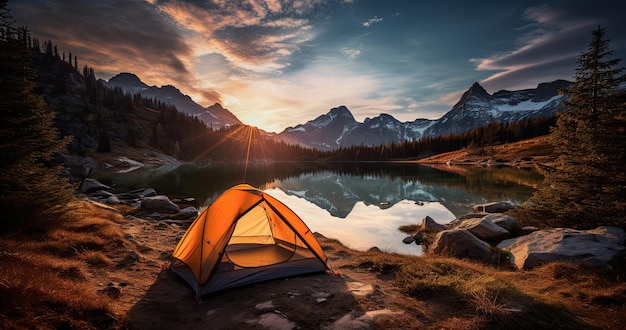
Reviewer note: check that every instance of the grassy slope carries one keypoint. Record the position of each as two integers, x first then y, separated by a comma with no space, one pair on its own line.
523,153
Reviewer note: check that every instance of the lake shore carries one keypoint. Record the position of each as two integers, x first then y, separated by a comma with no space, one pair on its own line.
113,266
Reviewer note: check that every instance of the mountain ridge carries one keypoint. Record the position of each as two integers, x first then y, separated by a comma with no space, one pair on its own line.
215,116
338,128
476,108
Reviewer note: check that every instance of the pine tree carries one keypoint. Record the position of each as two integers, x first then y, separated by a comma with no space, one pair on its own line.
29,189
587,186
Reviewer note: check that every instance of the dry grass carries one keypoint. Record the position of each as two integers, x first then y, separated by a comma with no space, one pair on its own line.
537,149
557,295
43,276
409,229
46,281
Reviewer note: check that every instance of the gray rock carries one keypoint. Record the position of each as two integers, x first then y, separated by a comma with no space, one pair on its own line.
113,200
148,192
101,194
505,221
430,225
461,243
92,185
594,248
79,167
189,212
495,207
452,224
484,229
160,203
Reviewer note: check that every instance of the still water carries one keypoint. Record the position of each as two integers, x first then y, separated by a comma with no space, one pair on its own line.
362,205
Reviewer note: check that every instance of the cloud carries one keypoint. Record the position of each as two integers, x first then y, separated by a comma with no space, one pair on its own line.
371,21
110,35
548,47
350,53
254,35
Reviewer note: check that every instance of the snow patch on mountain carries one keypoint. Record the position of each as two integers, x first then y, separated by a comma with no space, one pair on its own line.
527,105
476,108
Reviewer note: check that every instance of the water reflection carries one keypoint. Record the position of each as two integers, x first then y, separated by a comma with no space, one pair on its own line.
367,226
362,205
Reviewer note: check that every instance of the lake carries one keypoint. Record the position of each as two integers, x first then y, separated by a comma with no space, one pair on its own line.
360,204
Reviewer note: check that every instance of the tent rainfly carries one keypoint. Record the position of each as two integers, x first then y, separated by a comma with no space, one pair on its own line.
245,236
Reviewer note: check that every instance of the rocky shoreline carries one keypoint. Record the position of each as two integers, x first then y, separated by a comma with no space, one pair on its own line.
489,235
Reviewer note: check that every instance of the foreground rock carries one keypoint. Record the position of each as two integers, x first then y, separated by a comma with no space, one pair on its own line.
144,200
159,203
495,207
593,248
429,225
461,243
479,236
93,185
484,229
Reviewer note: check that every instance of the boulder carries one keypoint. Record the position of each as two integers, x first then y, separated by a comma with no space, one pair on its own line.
431,226
113,200
159,203
101,194
189,212
484,229
505,221
594,248
461,243
92,185
144,192
495,207
457,221
79,167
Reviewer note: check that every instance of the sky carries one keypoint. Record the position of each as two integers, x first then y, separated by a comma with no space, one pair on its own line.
279,63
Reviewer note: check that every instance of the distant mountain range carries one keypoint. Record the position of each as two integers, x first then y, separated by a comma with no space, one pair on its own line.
476,108
213,116
338,128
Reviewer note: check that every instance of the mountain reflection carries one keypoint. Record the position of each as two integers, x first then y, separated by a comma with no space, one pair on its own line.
384,185
337,187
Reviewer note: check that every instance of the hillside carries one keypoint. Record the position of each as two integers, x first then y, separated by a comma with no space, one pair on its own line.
524,153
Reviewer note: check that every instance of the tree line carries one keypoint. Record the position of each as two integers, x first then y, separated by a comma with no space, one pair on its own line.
32,189
479,140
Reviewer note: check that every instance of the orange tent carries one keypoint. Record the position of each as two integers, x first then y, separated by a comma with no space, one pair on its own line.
245,236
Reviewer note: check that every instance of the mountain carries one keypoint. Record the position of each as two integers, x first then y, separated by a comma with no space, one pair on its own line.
476,108
214,116
324,132
338,128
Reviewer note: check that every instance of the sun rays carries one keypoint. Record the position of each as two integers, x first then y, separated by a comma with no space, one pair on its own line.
244,139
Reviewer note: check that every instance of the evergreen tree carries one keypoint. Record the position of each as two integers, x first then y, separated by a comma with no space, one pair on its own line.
587,185
29,189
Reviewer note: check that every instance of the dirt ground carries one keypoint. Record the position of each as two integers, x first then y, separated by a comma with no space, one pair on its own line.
153,297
